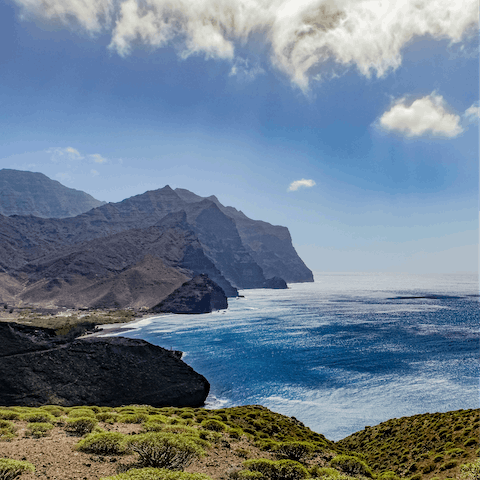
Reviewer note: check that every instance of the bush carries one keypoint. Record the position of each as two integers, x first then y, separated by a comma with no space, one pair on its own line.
471,442
235,433
157,474
106,443
470,471
9,415
351,465
39,429
298,451
245,475
277,470
165,449
81,425
13,468
133,418
449,465
388,475
39,416
214,425
7,430
81,412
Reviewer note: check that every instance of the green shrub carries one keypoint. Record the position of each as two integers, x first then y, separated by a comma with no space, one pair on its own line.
105,443
449,465
133,418
470,471
81,425
55,410
106,417
39,416
235,433
455,452
214,425
417,476
9,415
298,451
277,470
471,442
39,429
351,465
81,412
321,472
157,474
10,469
165,449
429,468
388,475
7,430
438,458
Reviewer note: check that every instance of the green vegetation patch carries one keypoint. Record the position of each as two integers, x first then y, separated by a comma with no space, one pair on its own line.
39,429
157,474
80,425
105,443
10,469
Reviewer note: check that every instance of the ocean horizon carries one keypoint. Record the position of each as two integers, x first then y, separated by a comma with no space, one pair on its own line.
346,351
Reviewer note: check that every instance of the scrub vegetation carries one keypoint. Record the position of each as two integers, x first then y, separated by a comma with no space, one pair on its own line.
240,443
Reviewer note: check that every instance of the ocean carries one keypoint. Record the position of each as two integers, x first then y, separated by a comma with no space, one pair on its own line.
338,354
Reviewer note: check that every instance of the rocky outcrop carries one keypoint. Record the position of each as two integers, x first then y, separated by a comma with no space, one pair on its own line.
199,295
29,193
38,368
275,282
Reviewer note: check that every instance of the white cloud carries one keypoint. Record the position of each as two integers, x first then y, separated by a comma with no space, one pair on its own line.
472,113
97,158
64,154
303,183
427,115
243,70
301,35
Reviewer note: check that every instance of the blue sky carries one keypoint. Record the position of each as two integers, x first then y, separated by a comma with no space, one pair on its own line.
370,107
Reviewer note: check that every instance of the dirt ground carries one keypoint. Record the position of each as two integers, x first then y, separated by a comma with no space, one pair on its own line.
55,457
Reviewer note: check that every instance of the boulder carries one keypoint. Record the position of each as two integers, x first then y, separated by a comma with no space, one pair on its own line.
199,295
37,368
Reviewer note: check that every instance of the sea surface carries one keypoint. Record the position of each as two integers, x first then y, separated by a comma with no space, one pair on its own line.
338,354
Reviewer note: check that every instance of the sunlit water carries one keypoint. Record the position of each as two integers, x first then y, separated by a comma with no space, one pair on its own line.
340,353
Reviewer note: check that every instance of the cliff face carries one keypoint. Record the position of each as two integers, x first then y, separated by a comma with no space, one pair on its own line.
29,193
37,368
199,295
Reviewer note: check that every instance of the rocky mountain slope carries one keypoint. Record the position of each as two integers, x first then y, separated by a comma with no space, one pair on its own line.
29,193
97,258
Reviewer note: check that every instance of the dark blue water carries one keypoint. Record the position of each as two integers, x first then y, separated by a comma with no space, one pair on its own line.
346,351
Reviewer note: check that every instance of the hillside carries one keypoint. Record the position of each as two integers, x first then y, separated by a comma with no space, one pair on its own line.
30,193
96,259
238,443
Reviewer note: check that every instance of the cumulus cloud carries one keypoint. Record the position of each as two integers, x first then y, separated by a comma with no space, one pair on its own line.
427,115
472,113
301,35
303,183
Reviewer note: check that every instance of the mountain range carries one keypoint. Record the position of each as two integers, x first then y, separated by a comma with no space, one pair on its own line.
133,253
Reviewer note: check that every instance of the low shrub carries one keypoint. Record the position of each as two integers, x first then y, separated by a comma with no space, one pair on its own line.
7,430
133,418
235,433
9,415
165,449
245,475
388,475
105,443
157,474
417,476
277,469
55,410
449,465
81,425
351,465
470,471
471,442
81,412
430,467
10,469
38,416
39,429
298,451
106,417
438,458
214,425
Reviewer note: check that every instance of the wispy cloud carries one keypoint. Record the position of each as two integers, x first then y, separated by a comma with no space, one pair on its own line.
64,154
426,115
97,158
94,173
303,183
472,113
300,36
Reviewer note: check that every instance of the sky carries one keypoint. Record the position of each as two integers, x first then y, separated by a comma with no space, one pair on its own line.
355,123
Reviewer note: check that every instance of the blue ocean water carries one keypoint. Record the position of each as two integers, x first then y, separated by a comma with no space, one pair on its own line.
340,353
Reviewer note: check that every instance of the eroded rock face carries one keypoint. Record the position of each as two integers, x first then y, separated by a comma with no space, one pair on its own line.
199,295
275,282
37,368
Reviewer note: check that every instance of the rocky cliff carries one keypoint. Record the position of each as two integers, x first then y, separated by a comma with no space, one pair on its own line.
37,368
199,295
29,193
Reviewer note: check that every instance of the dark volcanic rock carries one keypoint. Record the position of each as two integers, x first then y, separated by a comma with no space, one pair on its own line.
275,282
199,295
36,370
29,193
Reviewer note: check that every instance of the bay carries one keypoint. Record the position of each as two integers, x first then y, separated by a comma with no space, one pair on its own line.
346,351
